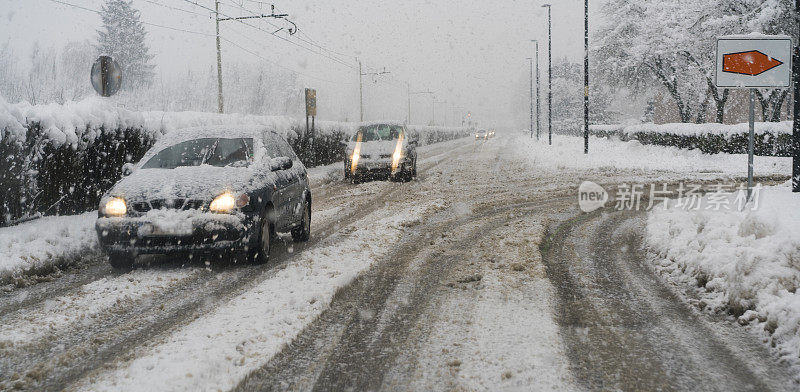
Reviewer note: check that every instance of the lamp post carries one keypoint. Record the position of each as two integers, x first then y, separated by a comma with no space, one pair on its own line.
538,116
549,76
586,79
530,59
796,128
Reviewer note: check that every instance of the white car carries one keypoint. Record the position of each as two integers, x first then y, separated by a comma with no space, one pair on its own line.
381,150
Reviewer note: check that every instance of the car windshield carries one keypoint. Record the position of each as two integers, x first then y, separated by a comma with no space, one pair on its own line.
373,133
209,151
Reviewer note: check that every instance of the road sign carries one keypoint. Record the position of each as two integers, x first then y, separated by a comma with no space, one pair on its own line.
106,76
311,102
754,61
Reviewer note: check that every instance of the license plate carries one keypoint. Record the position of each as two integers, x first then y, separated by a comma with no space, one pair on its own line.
176,230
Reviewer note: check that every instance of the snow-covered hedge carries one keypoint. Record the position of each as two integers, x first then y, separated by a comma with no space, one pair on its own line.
772,139
59,159
746,263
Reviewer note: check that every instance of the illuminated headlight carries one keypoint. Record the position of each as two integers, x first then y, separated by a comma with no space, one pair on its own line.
226,202
115,207
356,157
397,156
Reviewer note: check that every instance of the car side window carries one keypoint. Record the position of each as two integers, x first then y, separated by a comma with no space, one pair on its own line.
271,146
285,149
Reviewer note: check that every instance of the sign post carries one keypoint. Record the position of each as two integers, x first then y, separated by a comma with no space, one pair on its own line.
753,61
311,111
106,76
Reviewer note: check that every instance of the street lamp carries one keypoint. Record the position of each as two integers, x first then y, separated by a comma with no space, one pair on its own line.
537,88
530,59
586,79
549,76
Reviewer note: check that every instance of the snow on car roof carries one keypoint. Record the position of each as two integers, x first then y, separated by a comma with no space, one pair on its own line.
220,131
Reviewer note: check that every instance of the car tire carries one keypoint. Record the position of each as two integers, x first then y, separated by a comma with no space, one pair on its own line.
303,232
260,253
121,261
414,169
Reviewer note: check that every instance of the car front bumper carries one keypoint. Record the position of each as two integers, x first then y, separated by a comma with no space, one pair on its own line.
206,233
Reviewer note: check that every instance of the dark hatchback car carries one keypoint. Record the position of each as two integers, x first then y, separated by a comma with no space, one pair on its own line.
207,190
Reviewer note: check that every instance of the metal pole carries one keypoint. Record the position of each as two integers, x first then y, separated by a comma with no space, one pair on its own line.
531,60
549,76
586,80
408,90
220,103
360,90
796,129
750,144
538,96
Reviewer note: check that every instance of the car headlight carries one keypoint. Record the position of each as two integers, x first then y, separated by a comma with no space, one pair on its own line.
226,202
397,155
115,207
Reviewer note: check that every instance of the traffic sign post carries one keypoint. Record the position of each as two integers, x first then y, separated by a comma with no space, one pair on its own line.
106,76
753,61
311,111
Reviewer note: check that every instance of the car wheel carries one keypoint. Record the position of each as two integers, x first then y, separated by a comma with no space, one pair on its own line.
414,169
260,255
121,261
303,232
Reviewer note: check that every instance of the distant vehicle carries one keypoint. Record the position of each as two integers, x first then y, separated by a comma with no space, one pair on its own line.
381,151
491,134
207,190
482,134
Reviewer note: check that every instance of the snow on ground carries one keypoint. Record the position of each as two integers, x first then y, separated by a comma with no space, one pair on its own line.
687,129
567,153
744,262
493,329
45,243
216,351
102,295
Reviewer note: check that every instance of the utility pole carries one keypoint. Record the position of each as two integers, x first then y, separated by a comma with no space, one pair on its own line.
549,76
361,74
538,97
586,79
360,90
410,93
434,111
220,104
220,100
796,130
531,91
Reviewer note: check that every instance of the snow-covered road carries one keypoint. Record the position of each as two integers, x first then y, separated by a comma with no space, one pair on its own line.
437,284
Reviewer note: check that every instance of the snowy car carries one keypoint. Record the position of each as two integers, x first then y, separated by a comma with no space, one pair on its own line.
207,190
381,150
481,135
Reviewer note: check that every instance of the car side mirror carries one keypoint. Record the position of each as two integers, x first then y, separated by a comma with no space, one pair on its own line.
280,163
128,169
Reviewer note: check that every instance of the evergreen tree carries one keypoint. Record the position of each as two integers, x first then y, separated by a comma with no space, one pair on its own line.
123,38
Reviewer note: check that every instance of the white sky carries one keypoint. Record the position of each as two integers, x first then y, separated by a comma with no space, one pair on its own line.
471,53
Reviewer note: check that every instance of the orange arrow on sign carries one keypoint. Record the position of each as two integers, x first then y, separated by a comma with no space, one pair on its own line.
748,63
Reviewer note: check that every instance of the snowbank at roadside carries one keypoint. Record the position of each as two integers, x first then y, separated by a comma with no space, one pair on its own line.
743,262
42,245
567,153
79,122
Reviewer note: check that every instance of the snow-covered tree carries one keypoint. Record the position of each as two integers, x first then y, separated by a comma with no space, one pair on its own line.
123,38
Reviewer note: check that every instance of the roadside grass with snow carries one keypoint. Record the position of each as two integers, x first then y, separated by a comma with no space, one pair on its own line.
567,153
746,263
46,244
